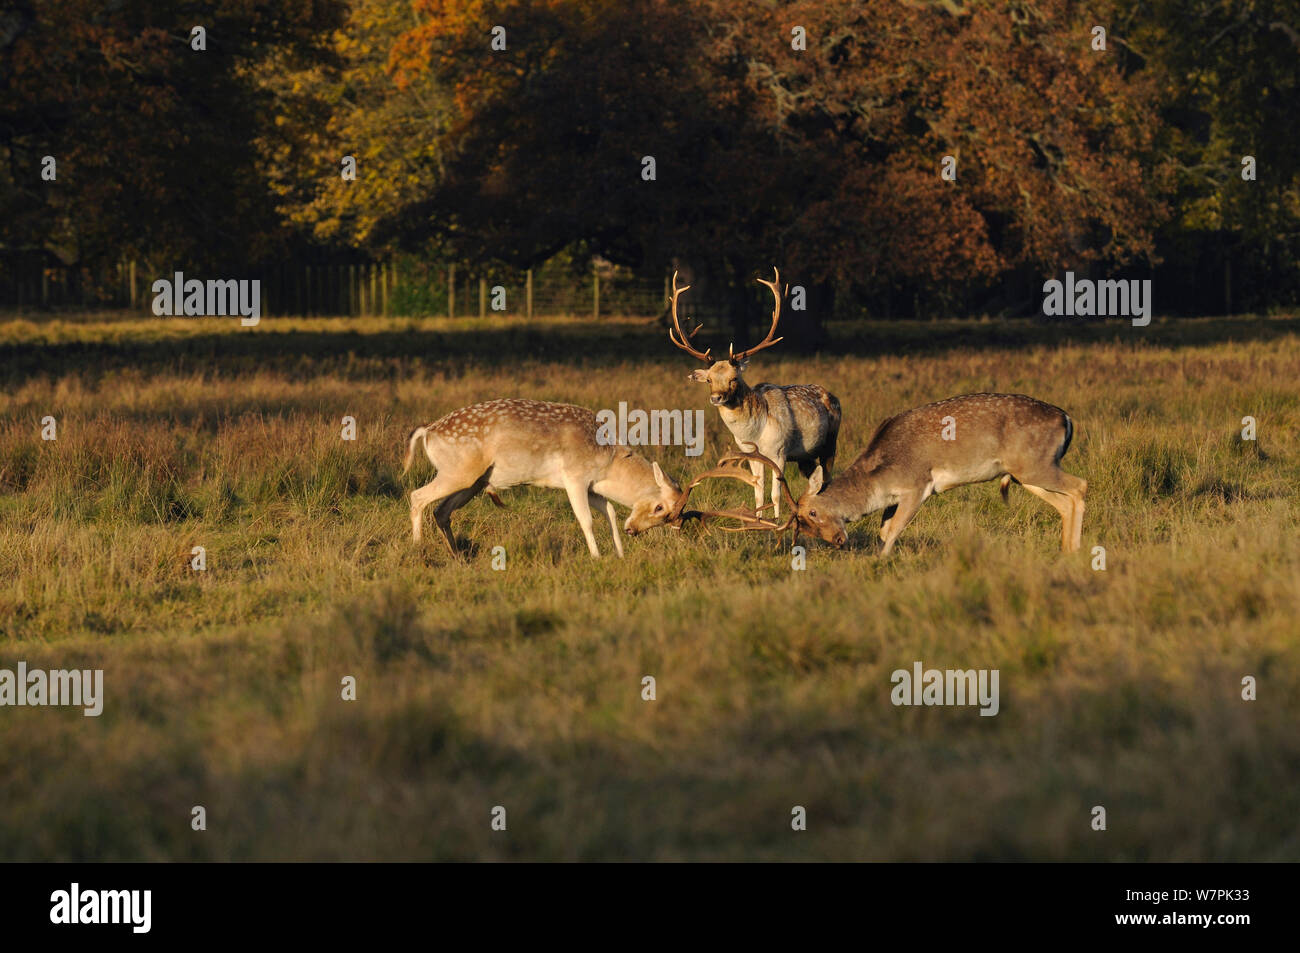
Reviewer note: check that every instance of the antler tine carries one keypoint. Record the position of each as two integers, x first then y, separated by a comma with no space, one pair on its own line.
768,341
735,473
681,338
738,455
751,523
731,466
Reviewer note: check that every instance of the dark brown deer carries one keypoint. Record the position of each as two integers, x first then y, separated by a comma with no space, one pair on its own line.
795,422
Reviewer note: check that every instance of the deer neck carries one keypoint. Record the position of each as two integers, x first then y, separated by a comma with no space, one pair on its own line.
854,493
745,408
629,478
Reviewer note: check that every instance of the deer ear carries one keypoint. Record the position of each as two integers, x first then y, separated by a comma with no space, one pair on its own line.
816,481
699,376
659,475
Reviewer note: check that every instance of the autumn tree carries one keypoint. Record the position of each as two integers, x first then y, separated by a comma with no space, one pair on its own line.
1049,145
1228,75
151,136
824,155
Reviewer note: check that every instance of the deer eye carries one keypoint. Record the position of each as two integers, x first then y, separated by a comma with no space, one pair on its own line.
659,507
812,512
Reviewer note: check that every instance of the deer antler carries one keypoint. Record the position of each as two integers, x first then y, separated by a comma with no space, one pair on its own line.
732,466
768,341
676,515
681,339
737,456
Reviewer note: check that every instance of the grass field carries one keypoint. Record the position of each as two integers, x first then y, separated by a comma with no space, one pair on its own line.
522,688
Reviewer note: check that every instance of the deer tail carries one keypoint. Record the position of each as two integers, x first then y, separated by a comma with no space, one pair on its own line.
1006,482
416,435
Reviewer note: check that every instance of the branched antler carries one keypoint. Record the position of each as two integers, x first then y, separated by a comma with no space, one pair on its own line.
681,338
732,466
775,285
676,515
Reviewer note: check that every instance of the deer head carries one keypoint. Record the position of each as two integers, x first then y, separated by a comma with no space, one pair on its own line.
818,515
661,510
726,384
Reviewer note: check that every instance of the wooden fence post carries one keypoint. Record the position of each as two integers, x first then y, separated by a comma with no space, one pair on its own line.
482,297
451,291
528,293
595,294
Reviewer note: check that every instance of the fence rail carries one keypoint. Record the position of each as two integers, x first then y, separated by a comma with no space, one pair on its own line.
360,289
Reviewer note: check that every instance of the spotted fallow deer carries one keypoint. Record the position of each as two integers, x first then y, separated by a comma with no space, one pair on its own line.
930,449
503,443
796,422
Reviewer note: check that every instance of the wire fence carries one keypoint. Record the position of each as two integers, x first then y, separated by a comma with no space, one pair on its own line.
398,287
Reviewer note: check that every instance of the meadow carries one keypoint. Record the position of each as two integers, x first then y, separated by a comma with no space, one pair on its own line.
523,688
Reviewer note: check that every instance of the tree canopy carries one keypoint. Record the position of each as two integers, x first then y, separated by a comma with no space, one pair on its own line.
811,133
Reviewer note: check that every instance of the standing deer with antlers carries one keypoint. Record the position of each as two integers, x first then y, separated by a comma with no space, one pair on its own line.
502,443
795,422
913,455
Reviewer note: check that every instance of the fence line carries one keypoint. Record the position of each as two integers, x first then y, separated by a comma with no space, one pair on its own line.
354,289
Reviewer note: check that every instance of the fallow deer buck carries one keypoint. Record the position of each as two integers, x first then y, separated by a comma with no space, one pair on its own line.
795,422
503,443
930,449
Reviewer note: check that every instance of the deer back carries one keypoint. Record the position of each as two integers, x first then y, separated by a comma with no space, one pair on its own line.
807,414
524,441
956,441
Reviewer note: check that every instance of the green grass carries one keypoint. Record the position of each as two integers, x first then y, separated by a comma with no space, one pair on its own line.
522,688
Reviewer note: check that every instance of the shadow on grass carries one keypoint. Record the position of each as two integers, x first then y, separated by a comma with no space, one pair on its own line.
393,354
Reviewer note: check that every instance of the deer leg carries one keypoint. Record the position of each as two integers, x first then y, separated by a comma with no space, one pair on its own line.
756,468
908,504
886,515
1075,488
827,461
578,500
1078,513
777,474
442,512
776,484
596,501
1063,503
440,487
1065,492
